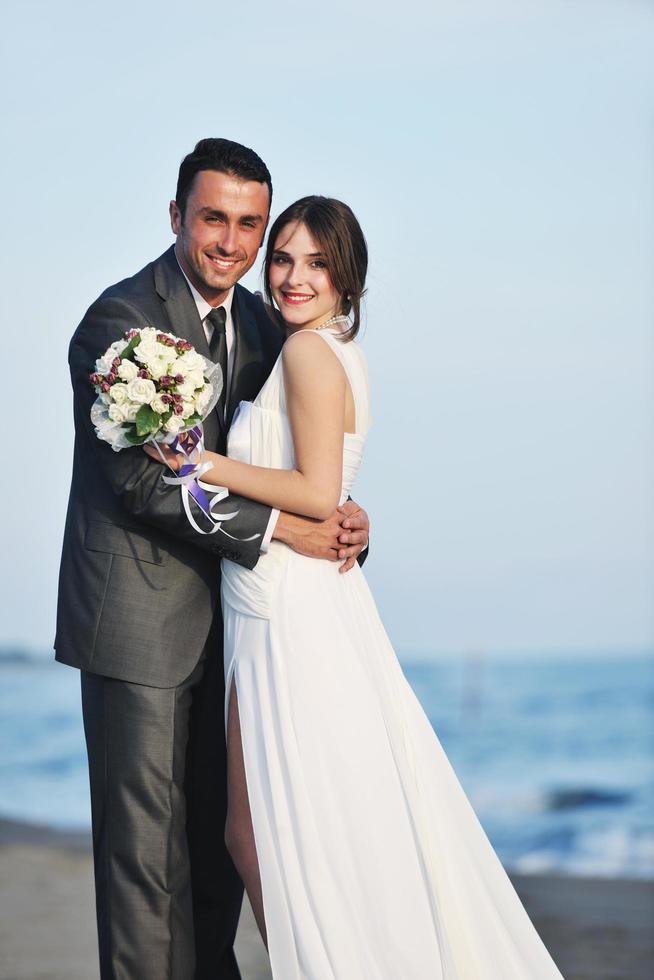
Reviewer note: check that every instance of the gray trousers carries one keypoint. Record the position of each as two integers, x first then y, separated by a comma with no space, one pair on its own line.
167,894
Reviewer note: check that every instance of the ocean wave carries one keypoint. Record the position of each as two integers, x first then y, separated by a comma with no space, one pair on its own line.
615,852
18,657
585,796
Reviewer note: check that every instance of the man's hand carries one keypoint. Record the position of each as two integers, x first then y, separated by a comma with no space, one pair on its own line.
353,538
343,536
174,460
316,539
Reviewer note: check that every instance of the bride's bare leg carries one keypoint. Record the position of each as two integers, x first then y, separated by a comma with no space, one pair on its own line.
239,834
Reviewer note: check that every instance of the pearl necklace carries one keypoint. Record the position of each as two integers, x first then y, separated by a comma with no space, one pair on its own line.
332,320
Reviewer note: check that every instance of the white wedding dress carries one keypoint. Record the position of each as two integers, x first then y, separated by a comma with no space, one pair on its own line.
373,863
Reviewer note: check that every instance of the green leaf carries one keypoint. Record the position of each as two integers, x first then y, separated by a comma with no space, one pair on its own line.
192,420
132,437
147,420
129,350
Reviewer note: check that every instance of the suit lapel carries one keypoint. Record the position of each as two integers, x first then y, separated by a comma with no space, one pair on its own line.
180,308
185,322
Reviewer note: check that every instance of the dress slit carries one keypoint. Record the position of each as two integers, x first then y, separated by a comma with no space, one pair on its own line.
229,680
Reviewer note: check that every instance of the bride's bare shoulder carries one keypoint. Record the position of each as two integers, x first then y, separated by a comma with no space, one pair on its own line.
302,356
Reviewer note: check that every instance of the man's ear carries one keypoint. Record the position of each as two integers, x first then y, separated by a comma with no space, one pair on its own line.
265,229
175,217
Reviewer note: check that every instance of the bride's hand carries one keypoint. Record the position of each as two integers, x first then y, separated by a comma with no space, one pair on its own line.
172,459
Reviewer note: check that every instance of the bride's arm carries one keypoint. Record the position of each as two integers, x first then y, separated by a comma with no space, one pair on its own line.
315,402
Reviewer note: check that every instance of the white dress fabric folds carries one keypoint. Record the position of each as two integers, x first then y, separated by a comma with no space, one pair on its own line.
373,863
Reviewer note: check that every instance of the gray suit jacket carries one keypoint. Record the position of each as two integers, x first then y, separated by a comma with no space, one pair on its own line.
138,587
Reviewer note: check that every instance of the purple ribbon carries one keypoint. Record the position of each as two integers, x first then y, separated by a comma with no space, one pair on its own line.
187,443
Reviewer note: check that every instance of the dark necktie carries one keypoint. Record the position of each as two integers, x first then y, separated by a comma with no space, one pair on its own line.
218,351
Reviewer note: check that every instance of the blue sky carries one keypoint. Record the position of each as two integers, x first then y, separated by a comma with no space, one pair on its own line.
499,159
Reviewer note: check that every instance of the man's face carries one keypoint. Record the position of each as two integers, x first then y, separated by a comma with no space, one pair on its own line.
221,232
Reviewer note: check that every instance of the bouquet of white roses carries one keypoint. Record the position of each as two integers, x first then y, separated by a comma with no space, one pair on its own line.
151,386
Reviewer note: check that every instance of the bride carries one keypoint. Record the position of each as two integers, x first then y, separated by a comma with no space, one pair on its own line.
359,851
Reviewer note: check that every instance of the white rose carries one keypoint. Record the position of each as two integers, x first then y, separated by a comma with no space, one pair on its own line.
158,405
141,390
175,365
190,361
158,366
186,389
146,351
118,347
174,424
127,370
147,341
131,411
118,393
118,413
203,398
196,378
188,406
104,364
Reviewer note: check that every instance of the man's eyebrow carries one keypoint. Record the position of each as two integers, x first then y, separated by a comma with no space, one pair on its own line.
208,210
215,212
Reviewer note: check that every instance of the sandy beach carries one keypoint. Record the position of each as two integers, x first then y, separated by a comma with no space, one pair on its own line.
596,929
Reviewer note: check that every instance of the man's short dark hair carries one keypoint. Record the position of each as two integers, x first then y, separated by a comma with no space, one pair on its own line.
224,156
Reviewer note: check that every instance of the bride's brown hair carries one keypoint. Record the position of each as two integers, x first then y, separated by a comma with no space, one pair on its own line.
338,234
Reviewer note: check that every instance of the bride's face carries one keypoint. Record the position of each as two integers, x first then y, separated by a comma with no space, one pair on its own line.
299,279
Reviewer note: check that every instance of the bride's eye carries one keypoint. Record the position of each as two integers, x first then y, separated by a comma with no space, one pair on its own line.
318,264
280,259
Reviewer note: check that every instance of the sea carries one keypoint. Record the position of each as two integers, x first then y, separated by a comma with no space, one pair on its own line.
556,753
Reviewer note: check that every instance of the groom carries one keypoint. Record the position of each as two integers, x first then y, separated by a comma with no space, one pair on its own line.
139,610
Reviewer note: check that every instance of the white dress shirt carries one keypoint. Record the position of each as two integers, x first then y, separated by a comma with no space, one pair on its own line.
204,309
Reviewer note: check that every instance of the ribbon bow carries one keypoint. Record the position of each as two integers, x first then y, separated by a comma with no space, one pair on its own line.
190,445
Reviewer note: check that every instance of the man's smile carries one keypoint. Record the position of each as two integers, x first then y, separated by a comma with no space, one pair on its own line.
225,265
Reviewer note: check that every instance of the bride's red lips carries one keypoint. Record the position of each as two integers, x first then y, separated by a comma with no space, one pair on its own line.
297,297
